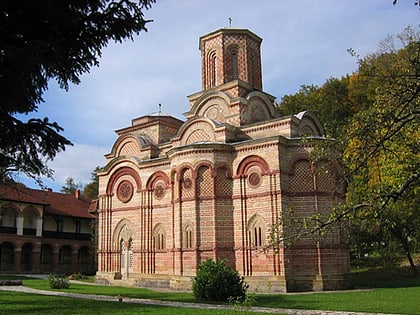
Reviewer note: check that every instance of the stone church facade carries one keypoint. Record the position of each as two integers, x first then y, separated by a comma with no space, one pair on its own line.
175,193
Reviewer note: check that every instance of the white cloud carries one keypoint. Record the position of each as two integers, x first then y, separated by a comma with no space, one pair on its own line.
77,161
304,42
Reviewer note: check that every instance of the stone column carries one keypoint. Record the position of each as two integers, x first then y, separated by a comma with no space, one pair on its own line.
39,226
54,262
19,224
74,260
36,259
17,259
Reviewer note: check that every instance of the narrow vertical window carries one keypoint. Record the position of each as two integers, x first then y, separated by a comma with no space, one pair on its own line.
256,233
159,237
212,69
187,235
234,61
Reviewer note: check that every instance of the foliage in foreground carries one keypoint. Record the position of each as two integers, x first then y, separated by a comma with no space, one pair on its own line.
14,303
58,282
215,281
42,41
391,291
387,298
372,117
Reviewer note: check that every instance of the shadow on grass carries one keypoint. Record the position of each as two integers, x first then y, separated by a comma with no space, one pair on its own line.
398,277
21,303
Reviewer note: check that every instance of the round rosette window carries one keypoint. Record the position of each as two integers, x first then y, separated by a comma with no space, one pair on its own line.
159,191
187,183
254,179
125,191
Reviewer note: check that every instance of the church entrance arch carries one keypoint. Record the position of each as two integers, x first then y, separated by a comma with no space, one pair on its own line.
125,245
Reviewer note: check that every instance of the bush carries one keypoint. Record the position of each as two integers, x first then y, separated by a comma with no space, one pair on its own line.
215,281
77,276
58,282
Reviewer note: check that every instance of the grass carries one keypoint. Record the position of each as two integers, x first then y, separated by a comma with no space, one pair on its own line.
20,303
388,292
401,301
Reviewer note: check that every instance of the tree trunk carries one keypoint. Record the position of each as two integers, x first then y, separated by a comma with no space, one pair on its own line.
406,245
412,264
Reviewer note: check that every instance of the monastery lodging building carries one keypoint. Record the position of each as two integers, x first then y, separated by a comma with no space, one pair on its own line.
174,193
42,231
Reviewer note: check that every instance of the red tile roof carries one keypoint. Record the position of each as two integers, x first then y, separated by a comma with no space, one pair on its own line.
54,203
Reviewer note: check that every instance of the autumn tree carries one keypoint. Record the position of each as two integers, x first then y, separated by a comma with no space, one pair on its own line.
45,40
377,144
331,102
382,153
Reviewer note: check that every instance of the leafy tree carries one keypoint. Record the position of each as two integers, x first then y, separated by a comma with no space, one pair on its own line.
70,186
91,190
377,143
215,281
331,102
44,40
382,151
305,99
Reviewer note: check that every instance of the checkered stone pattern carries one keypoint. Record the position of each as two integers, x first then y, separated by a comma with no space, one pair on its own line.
129,149
186,184
249,70
325,178
301,179
221,46
210,46
204,182
199,135
240,42
216,199
223,184
245,115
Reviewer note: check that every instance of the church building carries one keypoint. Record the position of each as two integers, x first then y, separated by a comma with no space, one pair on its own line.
175,193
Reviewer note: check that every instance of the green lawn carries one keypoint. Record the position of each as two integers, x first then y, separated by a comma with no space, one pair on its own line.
386,294
22,303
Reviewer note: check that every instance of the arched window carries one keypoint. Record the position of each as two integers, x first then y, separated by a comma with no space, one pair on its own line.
212,68
187,237
7,217
159,237
234,62
256,231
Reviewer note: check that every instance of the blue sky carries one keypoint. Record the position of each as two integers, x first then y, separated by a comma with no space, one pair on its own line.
304,42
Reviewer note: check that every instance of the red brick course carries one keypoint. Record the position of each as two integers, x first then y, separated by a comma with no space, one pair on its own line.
230,172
